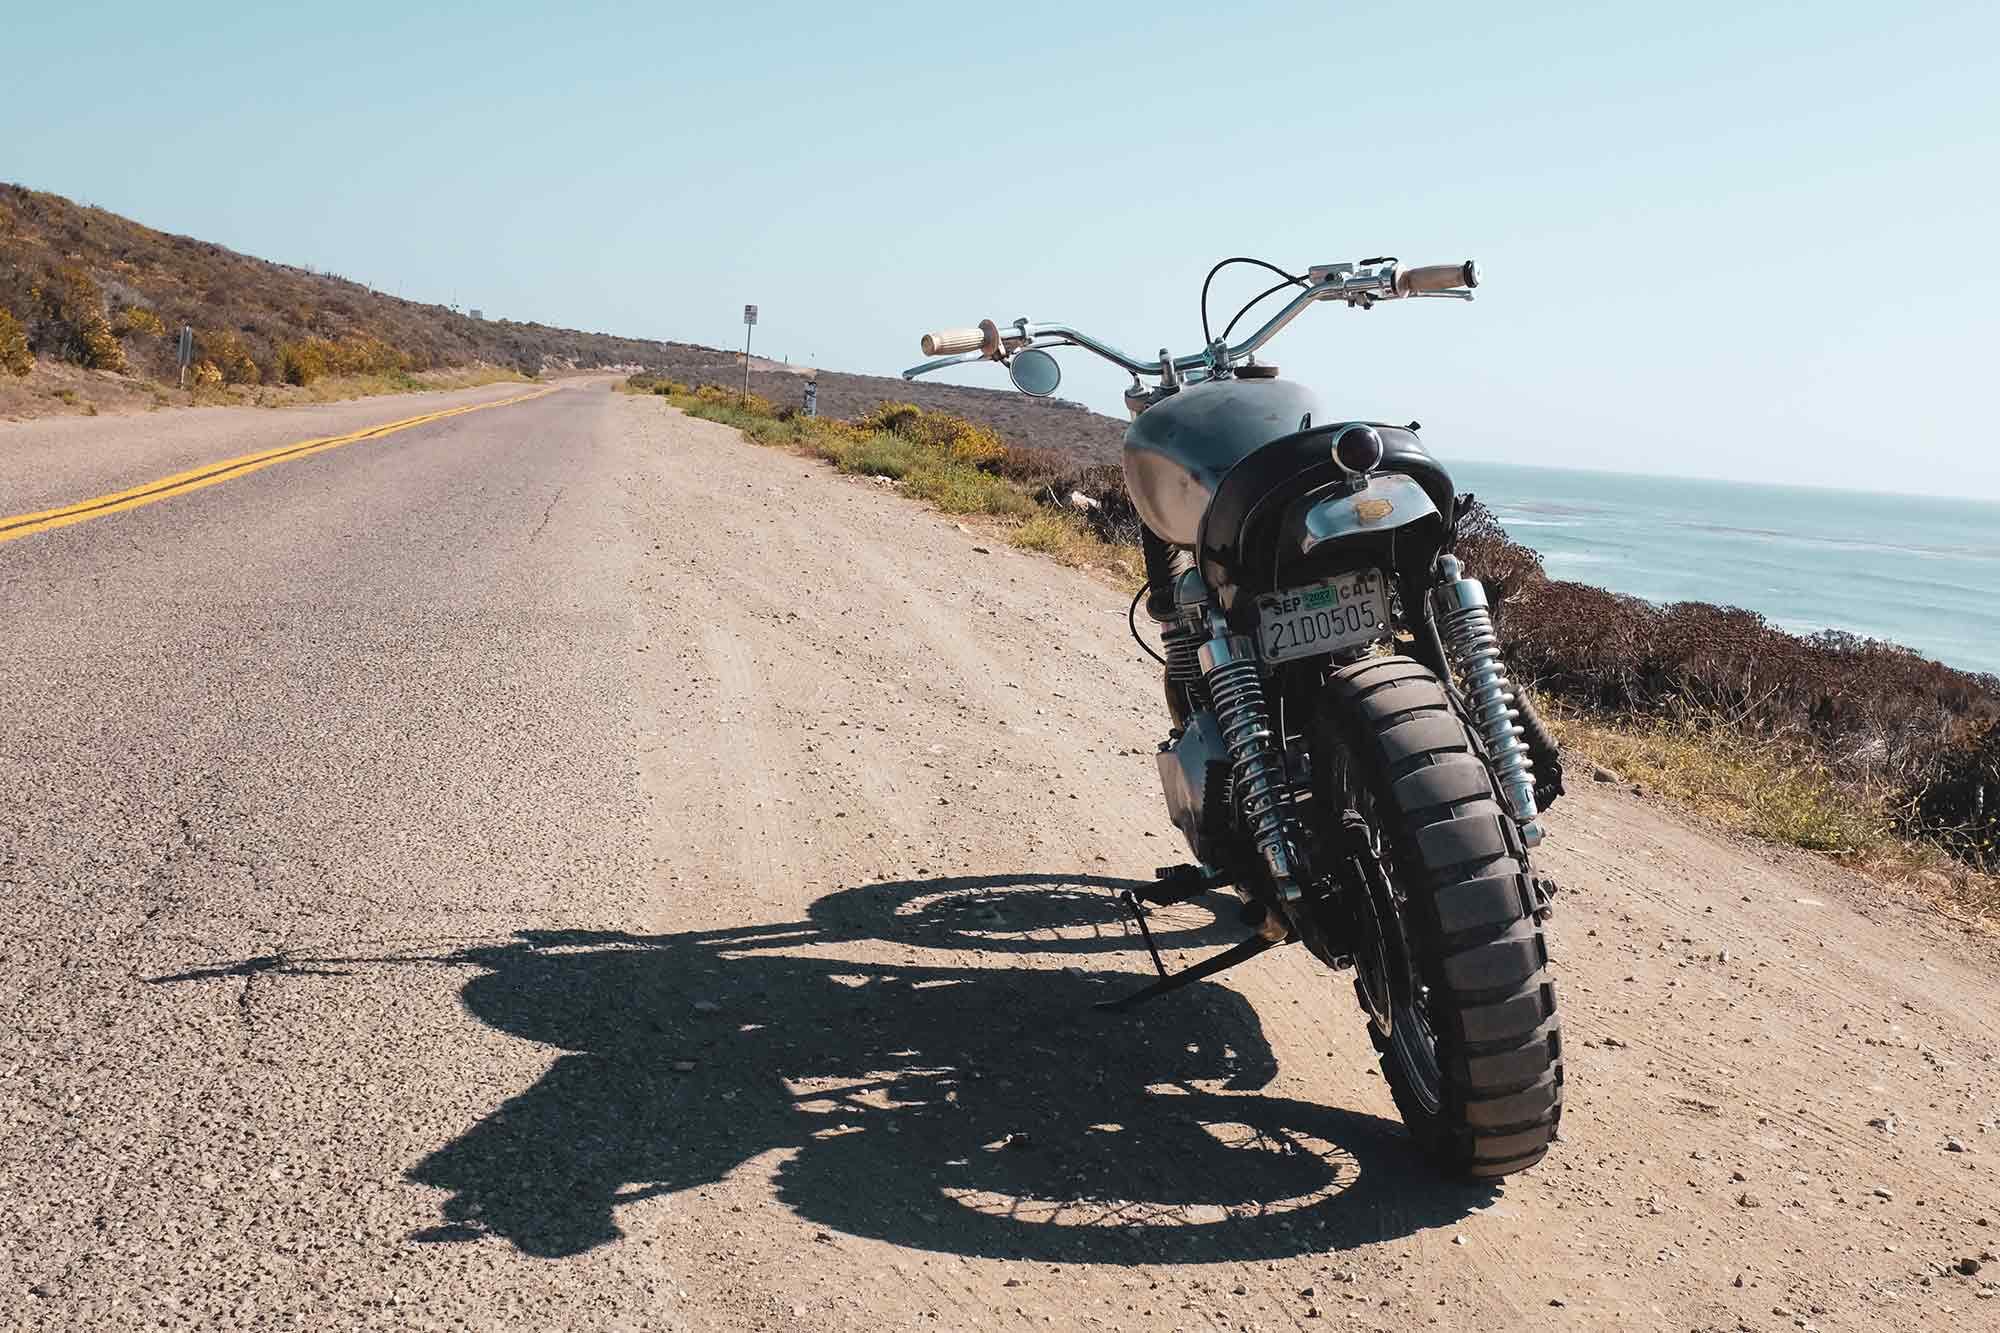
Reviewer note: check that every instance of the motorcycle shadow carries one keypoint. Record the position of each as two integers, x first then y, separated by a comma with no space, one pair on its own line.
944,1103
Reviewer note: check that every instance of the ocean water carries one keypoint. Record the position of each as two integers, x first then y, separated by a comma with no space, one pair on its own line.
1916,570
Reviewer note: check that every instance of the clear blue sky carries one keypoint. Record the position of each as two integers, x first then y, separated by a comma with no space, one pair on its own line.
1718,239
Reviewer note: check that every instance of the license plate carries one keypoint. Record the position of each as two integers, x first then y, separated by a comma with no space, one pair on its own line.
1322,617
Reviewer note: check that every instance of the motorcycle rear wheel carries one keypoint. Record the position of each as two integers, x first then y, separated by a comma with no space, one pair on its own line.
1473,1052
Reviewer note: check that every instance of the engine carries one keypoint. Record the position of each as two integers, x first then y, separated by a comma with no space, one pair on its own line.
1195,770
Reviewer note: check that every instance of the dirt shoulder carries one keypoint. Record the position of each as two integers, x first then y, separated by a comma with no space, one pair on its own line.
927,743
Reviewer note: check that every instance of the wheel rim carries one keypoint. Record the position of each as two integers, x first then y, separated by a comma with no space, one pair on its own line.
1396,999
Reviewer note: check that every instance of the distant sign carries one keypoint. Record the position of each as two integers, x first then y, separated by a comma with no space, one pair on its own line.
749,314
812,398
479,314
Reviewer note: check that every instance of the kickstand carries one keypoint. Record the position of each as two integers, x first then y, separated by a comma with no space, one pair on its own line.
1208,967
1138,911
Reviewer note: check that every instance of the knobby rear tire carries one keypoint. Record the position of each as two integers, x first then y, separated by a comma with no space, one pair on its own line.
1469,918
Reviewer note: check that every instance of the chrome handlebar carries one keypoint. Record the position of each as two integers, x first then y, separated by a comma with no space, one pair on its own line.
1356,284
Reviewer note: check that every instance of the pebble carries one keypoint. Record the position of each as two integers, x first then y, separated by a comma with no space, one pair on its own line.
1748,1200
1955,1145
1883,1193
707,1007
1967,1266
1885,1123
1614,1043
683,1066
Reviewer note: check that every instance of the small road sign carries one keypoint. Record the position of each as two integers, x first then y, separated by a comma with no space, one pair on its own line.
812,398
749,314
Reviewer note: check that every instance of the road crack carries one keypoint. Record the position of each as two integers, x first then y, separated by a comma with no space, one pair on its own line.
553,500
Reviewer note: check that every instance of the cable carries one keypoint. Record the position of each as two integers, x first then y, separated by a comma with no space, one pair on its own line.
1132,623
1250,305
1206,337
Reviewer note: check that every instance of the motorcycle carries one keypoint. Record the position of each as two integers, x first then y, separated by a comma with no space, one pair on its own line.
1346,749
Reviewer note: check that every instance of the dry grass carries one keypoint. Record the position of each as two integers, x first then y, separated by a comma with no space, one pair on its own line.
1731,779
1725,777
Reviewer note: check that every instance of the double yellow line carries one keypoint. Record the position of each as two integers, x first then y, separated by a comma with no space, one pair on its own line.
213,474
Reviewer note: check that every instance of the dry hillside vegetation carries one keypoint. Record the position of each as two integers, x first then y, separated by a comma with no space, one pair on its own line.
92,304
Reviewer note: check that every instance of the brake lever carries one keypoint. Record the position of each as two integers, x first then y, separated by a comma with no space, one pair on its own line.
964,358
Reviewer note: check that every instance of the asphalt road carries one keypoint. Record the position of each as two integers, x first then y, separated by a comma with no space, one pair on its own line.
561,866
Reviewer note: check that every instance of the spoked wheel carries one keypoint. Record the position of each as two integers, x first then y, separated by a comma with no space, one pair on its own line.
1388,982
1451,966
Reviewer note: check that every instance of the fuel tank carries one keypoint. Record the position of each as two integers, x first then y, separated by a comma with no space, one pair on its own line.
1177,450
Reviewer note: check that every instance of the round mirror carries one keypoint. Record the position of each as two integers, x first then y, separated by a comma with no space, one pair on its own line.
1035,372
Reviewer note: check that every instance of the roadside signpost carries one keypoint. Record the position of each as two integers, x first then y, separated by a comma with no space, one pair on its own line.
186,352
812,398
749,323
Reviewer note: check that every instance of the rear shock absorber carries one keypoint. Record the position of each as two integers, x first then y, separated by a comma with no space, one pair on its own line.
1467,625
1229,668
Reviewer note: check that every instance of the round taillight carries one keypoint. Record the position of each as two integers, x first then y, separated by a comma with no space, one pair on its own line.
1358,449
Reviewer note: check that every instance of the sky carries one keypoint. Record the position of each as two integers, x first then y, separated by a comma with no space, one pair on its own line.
1725,240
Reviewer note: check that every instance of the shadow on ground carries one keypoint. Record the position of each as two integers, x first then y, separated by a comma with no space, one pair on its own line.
979,1110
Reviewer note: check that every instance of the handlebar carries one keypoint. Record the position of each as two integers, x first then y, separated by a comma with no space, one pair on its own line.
1356,284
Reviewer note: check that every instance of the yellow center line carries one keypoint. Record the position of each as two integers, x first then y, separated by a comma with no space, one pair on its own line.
211,474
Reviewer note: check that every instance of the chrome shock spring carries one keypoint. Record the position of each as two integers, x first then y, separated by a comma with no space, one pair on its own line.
1229,668
1467,624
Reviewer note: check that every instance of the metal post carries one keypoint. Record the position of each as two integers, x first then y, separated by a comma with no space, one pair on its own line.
749,323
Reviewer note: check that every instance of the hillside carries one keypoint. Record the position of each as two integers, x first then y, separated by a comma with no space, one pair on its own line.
91,303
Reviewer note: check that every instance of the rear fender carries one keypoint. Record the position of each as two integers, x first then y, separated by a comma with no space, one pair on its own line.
1388,502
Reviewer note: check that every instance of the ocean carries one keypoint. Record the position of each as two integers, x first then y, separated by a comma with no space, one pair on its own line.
1920,571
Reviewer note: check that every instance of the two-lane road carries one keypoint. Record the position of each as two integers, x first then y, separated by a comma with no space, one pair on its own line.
561,866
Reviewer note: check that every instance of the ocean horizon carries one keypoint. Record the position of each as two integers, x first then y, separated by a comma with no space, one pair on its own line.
1917,570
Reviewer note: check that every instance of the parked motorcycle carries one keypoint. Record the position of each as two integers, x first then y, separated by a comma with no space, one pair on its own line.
1347,751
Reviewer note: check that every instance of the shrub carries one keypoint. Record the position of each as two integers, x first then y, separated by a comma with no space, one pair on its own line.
301,363
964,441
101,350
134,319
226,348
207,375
1495,559
69,320
15,358
1958,803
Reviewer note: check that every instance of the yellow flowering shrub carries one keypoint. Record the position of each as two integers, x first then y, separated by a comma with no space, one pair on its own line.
226,348
15,358
137,319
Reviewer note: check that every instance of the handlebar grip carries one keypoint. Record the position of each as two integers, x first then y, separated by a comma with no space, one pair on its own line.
1436,278
950,342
